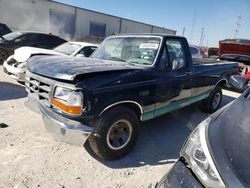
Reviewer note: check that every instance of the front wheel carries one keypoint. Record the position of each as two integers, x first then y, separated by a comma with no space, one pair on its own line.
115,134
213,102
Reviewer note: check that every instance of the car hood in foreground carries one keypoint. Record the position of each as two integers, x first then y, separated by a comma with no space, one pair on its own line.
68,68
229,139
24,53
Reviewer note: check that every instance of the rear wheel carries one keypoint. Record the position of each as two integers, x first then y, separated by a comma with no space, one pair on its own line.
3,56
212,103
115,134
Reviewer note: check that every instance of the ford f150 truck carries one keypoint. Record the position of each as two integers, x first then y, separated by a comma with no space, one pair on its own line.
130,78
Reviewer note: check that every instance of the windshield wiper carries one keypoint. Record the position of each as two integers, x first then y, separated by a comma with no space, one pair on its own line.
120,59
135,62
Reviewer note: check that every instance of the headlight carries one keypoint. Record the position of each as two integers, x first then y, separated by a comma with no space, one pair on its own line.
197,155
68,101
21,65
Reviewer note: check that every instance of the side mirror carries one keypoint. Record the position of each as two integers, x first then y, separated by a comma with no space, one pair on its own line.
80,55
178,63
239,82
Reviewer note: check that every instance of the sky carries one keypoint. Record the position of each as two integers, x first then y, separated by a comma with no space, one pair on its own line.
218,17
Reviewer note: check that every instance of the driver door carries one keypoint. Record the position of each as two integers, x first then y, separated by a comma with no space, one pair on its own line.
175,85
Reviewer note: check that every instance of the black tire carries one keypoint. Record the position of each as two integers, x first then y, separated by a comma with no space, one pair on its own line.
21,82
3,56
120,120
213,102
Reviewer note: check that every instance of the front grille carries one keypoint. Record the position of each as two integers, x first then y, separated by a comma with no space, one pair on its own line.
39,89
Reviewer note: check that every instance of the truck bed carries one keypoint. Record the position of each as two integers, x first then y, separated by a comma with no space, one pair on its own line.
209,67
211,61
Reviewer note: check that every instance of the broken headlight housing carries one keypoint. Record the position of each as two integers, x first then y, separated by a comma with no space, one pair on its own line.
68,101
21,65
197,155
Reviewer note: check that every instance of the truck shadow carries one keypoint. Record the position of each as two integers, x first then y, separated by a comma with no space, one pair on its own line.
11,91
161,139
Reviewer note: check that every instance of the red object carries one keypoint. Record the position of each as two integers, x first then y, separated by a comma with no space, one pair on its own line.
247,75
244,70
234,46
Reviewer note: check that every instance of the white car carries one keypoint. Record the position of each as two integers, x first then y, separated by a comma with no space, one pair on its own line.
15,65
196,52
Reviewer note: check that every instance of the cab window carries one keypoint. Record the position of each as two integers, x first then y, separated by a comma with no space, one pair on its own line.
175,50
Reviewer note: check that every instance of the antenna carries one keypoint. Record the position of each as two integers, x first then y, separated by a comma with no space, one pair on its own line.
239,18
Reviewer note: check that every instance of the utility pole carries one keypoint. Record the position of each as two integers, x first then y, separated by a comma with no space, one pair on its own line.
237,26
202,33
202,41
207,44
183,31
193,25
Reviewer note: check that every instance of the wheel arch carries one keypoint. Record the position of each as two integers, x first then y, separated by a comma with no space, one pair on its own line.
133,105
221,82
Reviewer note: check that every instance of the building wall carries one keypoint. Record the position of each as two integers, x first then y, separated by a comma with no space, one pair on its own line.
29,14
129,26
83,19
161,30
36,15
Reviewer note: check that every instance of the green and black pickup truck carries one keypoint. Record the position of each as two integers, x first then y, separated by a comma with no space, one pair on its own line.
129,78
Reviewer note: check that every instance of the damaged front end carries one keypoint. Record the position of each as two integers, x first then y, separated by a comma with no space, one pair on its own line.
57,106
15,69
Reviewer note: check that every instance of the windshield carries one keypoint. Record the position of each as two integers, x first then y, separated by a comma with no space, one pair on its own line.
136,50
67,48
12,36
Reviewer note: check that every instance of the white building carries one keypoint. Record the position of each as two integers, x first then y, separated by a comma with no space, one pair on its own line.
68,21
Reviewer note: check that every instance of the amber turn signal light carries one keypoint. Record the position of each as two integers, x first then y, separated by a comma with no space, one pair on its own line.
74,110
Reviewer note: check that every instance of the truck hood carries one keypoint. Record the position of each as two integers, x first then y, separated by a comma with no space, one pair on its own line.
67,68
24,53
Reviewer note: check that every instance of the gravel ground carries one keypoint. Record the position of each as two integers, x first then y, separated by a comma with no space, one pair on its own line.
30,157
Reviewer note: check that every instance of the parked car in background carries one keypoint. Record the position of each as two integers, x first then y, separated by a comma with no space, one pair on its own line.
130,78
4,29
14,40
196,52
15,65
217,153
213,53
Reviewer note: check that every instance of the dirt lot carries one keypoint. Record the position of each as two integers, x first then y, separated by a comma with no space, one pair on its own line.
29,157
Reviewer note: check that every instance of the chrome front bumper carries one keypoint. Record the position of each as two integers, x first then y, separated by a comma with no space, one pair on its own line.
62,129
